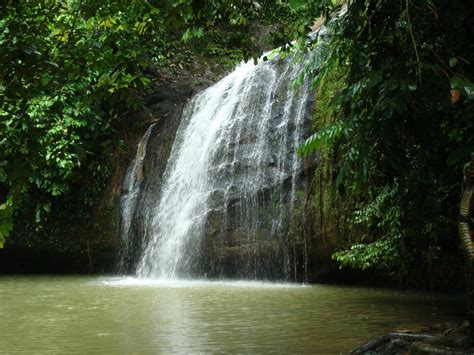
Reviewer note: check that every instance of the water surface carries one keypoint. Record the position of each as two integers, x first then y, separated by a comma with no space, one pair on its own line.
128,315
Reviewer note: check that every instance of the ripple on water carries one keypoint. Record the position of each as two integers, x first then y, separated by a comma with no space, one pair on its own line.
139,315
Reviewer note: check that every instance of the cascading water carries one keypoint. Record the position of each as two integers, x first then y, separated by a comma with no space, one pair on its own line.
130,194
230,196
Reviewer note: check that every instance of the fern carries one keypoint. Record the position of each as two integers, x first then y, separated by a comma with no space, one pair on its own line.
324,138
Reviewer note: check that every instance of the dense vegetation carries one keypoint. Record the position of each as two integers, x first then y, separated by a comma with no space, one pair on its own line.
396,130
393,131
71,73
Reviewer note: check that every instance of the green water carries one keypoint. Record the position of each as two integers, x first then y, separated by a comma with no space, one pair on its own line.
124,315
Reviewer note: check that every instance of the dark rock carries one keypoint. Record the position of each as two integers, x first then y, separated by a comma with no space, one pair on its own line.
421,343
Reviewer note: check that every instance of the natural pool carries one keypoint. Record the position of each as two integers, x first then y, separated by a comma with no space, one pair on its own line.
127,315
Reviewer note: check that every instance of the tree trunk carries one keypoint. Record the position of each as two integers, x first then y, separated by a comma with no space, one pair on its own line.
466,219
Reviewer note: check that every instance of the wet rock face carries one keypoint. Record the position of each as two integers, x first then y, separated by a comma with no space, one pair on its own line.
253,224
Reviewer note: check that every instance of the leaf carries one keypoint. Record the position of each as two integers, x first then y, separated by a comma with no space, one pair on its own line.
469,89
296,4
325,137
460,85
197,32
53,64
456,82
145,81
47,207
453,61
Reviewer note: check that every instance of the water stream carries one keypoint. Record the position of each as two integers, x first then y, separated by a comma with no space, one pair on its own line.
129,199
232,186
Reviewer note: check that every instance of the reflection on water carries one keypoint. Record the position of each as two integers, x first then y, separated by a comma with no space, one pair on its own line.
83,314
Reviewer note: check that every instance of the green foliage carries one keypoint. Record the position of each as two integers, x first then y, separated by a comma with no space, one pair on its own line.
379,220
6,224
381,254
324,138
67,70
398,123
70,74
193,33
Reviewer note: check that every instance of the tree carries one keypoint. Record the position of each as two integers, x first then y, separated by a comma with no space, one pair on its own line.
402,124
70,73
466,222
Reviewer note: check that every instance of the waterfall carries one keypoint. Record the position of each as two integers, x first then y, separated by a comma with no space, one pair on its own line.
231,195
129,199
